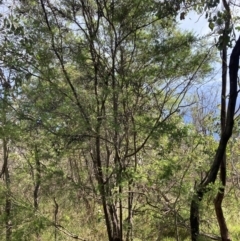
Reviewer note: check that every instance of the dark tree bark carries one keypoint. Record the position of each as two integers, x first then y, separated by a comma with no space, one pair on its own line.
223,169
8,202
37,185
5,168
202,188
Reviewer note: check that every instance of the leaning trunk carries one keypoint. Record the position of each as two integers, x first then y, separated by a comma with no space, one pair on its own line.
223,169
202,188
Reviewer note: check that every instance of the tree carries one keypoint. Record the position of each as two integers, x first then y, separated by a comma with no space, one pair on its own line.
226,134
113,81
5,172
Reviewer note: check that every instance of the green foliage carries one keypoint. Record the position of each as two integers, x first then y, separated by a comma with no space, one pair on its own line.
94,120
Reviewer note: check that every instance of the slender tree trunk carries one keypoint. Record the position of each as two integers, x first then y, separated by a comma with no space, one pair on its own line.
129,236
220,196
194,215
202,188
5,167
37,187
223,169
129,219
8,202
55,218
108,208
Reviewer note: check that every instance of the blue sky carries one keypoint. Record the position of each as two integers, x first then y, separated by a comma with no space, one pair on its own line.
195,23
